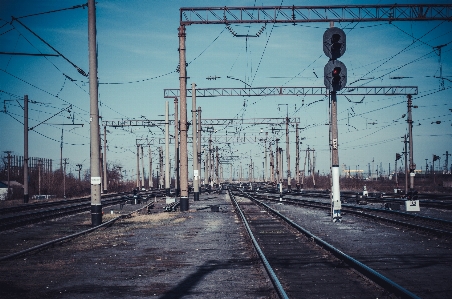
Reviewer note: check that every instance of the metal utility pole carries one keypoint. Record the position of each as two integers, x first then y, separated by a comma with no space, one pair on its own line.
250,172
142,167
277,161
151,182
61,151
289,183
184,204
138,166
217,165
161,167
167,164
206,168
308,158
65,162
280,170
105,184
101,161
96,204
279,175
265,158
26,196
272,166
297,158
406,163
195,146
336,198
176,148
410,132
396,174
199,147
210,159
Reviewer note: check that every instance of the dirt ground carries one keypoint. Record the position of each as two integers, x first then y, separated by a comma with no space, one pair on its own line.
194,254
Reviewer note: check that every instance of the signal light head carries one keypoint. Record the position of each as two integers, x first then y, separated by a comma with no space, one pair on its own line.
335,75
334,43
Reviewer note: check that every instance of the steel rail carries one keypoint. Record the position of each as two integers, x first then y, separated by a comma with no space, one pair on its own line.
18,220
59,240
359,211
403,223
277,284
362,268
44,204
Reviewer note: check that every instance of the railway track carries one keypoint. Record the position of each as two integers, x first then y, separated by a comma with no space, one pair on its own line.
13,217
299,262
438,201
439,227
53,242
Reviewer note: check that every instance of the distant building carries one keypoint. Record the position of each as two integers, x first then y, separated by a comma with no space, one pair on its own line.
4,188
3,191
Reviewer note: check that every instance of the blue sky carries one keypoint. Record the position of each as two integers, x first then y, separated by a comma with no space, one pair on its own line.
137,47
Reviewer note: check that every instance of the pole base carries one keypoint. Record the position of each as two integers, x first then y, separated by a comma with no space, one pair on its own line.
196,196
96,215
26,198
168,192
184,205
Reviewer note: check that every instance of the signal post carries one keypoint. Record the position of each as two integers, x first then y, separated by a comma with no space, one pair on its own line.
335,78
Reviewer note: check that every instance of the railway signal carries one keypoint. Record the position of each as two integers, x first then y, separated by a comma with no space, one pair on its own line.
335,75
334,46
335,79
334,43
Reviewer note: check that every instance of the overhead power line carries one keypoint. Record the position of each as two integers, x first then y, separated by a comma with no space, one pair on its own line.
28,54
57,10
40,38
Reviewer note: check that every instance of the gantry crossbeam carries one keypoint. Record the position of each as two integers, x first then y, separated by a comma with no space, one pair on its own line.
307,14
204,122
292,91
224,139
251,121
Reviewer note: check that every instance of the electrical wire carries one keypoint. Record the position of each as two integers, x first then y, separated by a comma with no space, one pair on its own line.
39,133
38,88
57,10
398,53
59,53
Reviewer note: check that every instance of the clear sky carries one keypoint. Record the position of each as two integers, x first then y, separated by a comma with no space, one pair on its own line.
138,48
